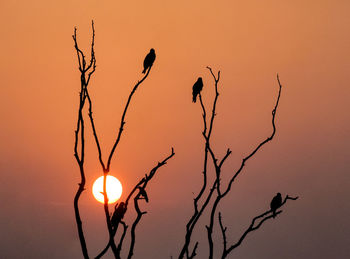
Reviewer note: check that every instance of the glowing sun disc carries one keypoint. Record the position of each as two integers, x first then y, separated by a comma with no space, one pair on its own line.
113,187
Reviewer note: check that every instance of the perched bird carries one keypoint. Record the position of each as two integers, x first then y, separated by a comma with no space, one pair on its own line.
276,203
197,88
149,59
143,193
118,214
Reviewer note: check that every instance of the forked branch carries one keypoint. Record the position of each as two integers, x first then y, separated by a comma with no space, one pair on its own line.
106,167
207,131
79,132
142,194
140,187
254,225
220,195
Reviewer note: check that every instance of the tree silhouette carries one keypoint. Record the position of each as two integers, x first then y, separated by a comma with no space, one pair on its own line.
86,71
215,190
216,186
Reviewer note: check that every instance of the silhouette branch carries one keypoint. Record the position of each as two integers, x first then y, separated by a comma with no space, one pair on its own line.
206,134
80,131
220,195
141,184
106,169
223,232
192,221
255,224
193,254
216,185
125,228
268,139
122,121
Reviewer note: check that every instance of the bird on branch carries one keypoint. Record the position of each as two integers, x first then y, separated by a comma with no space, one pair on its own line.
143,193
276,203
149,59
197,88
118,214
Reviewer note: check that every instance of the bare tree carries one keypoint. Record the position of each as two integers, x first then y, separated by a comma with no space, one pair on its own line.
139,190
215,190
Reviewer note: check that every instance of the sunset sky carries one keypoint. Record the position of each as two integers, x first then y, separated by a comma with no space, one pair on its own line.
306,41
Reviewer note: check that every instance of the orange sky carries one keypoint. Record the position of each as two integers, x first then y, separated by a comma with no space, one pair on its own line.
306,42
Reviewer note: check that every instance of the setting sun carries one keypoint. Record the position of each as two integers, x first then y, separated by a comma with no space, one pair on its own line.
113,186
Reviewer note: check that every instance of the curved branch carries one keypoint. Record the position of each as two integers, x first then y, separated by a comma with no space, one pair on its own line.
140,213
133,227
252,227
122,121
268,139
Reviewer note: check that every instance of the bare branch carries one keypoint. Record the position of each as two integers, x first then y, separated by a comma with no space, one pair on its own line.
122,121
204,115
94,132
216,80
228,153
193,254
92,58
223,232
197,198
106,169
150,175
140,213
142,183
91,68
79,52
80,131
268,139
133,227
254,226
198,212
220,196
125,227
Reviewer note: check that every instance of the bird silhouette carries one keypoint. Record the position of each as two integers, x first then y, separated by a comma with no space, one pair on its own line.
197,88
118,214
143,193
149,59
276,203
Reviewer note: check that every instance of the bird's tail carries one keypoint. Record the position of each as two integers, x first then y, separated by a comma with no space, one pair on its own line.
144,71
274,214
194,98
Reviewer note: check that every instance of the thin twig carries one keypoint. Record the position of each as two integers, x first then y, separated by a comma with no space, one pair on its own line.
223,232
